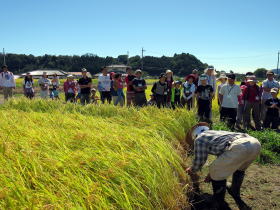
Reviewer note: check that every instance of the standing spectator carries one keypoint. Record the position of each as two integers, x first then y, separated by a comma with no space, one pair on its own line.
240,109
118,86
211,79
188,91
130,94
85,85
159,91
228,96
55,87
44,84
252,96
169,81
267,85
70,89
223,80
7,82
204,93
272,113
176,95
28,86
104,86
139,86
196,77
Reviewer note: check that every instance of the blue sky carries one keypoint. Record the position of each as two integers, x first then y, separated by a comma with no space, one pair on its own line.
239,35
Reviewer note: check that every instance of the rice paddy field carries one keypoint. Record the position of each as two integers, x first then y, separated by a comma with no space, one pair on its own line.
65,156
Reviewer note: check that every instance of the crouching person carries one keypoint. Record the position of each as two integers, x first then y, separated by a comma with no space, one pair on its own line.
235,151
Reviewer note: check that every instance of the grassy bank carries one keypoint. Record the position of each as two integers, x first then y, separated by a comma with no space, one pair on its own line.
54,155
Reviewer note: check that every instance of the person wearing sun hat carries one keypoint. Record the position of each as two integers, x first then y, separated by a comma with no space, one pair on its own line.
267,85
252,100
272,113
235,152
223,80
70,89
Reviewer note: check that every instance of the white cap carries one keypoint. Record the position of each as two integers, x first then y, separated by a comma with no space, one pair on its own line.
198,130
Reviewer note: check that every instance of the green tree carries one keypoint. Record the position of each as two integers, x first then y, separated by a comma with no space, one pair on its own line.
260,73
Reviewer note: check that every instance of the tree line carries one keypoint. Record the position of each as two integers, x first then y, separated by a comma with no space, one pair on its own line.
181,64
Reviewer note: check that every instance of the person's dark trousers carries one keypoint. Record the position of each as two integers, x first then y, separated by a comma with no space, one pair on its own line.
105,95
219,192
253,107
190,104
177,102
160,100
204,109
234,189
70,97
85,98
271,122
140,99
229,115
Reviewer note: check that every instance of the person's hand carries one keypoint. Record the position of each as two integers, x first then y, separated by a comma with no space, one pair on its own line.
192,174
207,178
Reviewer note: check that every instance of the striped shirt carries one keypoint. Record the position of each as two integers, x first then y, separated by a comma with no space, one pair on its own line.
214,143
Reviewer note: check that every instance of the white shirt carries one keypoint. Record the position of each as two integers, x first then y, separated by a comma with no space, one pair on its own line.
44,82
269,84
104,83
230,95
7,79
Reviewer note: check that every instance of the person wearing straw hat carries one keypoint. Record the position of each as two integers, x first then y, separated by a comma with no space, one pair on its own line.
272,113
267,85
44,84
70,89
223,80
7,82
235,152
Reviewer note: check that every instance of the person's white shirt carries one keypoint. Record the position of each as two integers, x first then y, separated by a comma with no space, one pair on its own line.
7,79
230,95
104,83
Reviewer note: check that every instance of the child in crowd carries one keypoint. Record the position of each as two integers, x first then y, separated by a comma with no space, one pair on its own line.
188,91
204,95
170,83
118,85
176,95
139,86
93,96
159,91
272,113
54,87
28,86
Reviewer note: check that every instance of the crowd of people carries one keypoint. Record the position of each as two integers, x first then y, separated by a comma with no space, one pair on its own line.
237,103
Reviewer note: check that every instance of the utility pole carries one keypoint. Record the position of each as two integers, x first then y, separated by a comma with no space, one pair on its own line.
4,58
278,63
127,63
142,64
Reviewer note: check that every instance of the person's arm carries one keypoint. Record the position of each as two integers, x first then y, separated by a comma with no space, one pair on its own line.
13,80
200,154
221,95
144,85
154,87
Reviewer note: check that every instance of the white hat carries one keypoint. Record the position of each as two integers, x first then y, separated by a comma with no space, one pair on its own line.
198,130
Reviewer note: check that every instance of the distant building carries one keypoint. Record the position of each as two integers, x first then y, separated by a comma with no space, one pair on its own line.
39,73
78,75
117,68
